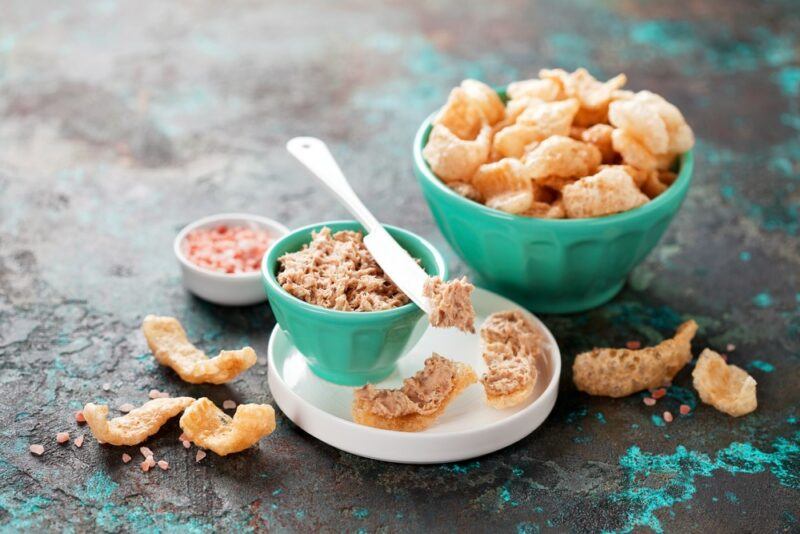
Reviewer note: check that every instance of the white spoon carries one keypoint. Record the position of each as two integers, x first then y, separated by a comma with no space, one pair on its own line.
404,271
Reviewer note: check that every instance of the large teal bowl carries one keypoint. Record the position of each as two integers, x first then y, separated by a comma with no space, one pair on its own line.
349,348
550,266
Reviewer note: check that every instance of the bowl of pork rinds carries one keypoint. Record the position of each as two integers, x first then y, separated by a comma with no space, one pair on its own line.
552,189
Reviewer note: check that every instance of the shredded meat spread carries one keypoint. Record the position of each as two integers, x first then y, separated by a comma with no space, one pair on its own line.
336,271
450,303
511,346
421,394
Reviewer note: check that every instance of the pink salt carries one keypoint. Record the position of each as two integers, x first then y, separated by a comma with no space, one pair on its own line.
79,418
127,407
146,452
36,449
650,401
634,345
227,249
200,455
62,437
667,417
229,405
163,464
126,458
79,441
684,409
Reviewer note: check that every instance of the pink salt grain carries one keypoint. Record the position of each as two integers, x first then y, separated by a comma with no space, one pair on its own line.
146,452
650,401
183,437
36,449
127,407
154,394
163,464
634,345
79,442
227,249
200,455
229,405
145,466
62,437
79,418
186,444
660,392
730,347
667,417
126,458
684,409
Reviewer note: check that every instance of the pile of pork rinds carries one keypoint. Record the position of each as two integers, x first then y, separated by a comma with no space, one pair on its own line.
565,145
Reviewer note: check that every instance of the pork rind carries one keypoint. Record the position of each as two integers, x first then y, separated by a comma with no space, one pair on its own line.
485,99
135,426
632,151
422,399
547,89
563,157
504,185
600,136
639,176
466,190
453,159
451,305
461,116
621,372
543,210
170,346
609,191
208,427
594,96
727,388
511,348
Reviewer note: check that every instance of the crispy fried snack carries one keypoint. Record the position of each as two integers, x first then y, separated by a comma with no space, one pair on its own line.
135,426
460,115
485,99
593,95
600,136
563,157
621,372
511,347
454,159
466,190
641,120
504,186
609,191
727,388
207,426
547,90
632,151
421,400
167,340
450,303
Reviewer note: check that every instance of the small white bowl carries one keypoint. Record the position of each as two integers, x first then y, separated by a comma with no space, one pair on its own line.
237,289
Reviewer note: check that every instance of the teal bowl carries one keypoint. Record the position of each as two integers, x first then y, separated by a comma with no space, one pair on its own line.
348,348
548,265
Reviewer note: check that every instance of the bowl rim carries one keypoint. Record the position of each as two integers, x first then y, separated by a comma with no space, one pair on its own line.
263,222
681,183
272,280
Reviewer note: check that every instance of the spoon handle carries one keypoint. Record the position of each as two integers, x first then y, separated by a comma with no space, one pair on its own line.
314,154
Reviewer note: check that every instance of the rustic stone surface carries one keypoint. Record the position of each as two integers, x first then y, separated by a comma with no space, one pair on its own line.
122,121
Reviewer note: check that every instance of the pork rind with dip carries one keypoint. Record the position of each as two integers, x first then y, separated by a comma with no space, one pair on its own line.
511,347
422,399
613,372
540,154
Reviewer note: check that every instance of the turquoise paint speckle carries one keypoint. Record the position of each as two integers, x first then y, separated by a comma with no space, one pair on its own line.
99,487
517,472
460,469
731,496
277,492
792,420
300,514
657,420
683,396
600,417
727,191
744,256
528,528
763,300
761,366
788,79
360,513
634,426
656,482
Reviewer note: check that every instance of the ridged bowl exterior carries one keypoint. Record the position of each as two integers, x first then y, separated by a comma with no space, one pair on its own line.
349,348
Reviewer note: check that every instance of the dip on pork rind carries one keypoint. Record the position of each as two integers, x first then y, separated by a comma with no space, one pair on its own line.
504,185
135,426
450,303
727,388
170,346
422,399
511,348
613,372
453,159
208,427
609,191
562,156
336,271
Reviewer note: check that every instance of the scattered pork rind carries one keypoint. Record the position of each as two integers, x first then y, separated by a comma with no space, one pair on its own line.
167,340
511,347
620,372
450,303
208,427
609,191
421,400
135,426
600,136
486,99
562,156
632,151
504,185
453,159
727,388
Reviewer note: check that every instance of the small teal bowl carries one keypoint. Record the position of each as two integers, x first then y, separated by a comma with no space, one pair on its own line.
348,348
548,265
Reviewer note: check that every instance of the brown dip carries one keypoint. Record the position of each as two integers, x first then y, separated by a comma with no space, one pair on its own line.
450,303
511,347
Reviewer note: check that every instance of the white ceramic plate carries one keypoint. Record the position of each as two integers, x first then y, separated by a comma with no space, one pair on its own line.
467,429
